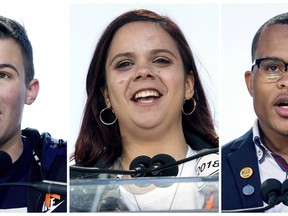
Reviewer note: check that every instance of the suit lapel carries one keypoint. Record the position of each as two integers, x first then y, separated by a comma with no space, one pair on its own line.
244,158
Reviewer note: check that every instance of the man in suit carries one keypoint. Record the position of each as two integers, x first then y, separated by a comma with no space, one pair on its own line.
261,153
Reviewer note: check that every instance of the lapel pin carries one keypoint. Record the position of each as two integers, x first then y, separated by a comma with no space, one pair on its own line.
246,172
248,190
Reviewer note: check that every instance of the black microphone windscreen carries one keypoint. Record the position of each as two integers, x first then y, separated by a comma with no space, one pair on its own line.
5,163
140,164
161,160
270,187
284,192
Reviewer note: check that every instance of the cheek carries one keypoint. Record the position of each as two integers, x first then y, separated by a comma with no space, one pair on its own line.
175,81
261,95
14,100
117,87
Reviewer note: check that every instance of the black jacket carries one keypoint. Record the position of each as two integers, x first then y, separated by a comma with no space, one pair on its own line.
52,166
238,155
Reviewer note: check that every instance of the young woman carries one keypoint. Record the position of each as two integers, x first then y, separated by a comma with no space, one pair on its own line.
144,97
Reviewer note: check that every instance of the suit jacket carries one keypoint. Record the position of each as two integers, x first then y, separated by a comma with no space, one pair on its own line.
236,155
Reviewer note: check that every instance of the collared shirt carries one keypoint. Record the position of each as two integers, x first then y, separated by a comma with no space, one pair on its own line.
268,166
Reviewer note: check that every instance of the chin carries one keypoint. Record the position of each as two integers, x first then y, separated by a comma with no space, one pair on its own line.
147,123
281,128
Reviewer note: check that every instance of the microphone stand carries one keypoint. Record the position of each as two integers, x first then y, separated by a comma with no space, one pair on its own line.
141,171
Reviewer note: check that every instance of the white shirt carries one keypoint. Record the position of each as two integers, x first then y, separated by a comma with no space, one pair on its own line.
179,196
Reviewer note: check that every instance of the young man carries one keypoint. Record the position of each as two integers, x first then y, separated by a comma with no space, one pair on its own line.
25,156
261,153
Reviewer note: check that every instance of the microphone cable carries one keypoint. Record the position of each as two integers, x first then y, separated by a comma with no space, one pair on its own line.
44,186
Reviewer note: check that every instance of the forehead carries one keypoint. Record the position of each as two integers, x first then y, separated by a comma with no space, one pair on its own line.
146,31
10,50
273,41
11,54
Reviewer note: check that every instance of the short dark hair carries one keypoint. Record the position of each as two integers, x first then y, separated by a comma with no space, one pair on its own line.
12,29
279,19
96,142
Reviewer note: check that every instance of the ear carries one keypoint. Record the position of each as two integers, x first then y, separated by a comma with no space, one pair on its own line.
105,94
32,91
249,81
189,87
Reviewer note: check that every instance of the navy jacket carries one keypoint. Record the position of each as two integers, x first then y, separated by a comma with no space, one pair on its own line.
236,155
53,158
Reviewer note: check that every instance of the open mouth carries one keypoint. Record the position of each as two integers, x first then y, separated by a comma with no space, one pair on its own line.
282,102
146,96
283,105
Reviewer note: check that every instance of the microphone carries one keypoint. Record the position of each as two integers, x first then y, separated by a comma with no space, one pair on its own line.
148,167
284,192
5,163
44,186
158,164
141,164
270,192
160,161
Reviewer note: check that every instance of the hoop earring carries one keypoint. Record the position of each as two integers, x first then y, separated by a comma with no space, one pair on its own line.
106,123
187,114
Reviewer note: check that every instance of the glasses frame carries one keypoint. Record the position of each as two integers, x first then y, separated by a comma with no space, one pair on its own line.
258,61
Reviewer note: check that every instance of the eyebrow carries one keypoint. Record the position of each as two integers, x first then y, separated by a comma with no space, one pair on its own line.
154,51
9,66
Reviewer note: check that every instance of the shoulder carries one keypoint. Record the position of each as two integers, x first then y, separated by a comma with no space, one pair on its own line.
43,139
196,142
47,148
238,143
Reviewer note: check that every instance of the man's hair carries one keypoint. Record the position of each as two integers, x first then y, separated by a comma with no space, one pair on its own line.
11,29
279,19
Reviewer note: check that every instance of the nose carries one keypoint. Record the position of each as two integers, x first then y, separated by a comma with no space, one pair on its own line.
283,81
144,72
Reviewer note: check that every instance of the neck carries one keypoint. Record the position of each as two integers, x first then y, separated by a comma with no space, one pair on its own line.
277,143
170,144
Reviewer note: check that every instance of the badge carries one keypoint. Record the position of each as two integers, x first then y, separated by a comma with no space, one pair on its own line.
246,172
248,190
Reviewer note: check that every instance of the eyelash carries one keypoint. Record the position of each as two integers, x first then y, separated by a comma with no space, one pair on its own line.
162,60
124,64
4,75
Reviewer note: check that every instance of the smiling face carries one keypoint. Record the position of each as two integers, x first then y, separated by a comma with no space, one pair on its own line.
271,98
146,82
13,91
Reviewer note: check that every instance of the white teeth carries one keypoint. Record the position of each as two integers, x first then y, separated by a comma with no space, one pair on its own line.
284,106
146,93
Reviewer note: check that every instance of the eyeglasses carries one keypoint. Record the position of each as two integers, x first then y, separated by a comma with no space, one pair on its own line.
271,69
